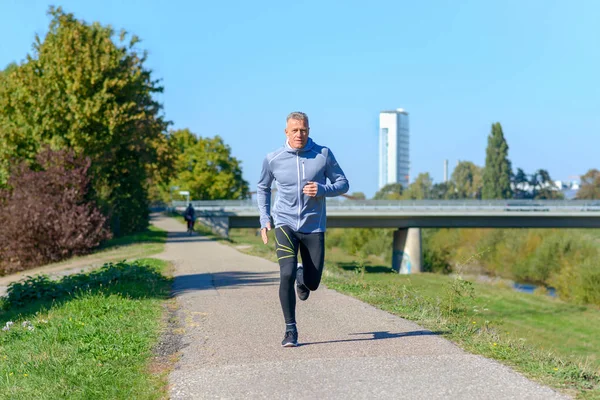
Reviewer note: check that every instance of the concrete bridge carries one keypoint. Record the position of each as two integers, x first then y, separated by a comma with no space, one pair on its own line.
409,216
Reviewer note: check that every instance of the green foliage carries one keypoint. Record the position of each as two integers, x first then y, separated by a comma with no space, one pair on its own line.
81,90
590,186
459,296
521,182
468,180
497,172
437,252
96,344
40,287
362,242
420,189
358,196
543,187
578,279
444,191
391,191
205,167
564,259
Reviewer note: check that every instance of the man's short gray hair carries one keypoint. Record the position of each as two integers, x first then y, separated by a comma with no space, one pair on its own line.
300,116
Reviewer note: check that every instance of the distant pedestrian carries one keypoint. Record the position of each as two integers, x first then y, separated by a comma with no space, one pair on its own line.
190,216
300,169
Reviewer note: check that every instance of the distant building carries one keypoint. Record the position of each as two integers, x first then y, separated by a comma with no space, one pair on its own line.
394,156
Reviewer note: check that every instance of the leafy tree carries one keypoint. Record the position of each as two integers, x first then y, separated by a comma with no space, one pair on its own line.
357,196
391,191
444,191
521,184
543,187
497,172
468,180
181,140
538,185
206,168
82,90
420,189
590,186
178,141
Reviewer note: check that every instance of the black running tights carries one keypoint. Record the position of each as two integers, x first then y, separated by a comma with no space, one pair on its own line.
312,251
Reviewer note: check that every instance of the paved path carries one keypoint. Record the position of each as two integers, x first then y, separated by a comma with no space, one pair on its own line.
233,327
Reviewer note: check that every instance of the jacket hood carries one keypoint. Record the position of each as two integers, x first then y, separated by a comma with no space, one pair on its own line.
309,145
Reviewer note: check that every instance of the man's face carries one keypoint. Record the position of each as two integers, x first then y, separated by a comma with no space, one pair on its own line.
297,133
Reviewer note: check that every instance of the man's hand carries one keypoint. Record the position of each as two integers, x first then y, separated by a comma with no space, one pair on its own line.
263,233
310,189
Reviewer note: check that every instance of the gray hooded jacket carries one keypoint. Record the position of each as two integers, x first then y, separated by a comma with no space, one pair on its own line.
292,169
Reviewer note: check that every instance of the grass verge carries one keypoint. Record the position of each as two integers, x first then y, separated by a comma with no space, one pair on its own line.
86,335
140,245
548,340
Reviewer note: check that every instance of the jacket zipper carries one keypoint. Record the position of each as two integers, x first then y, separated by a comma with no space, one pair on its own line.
299,196
303,172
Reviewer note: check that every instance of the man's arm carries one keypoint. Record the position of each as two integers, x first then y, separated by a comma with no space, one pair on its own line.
339,184
263,194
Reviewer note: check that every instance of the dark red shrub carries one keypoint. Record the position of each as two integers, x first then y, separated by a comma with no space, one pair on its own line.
46,215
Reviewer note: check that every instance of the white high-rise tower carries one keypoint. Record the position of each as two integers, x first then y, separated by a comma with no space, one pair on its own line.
394,157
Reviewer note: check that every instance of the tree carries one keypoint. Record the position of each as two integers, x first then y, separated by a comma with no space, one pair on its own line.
590,186
178,142
391,191
357,196
444,191
543,187
420,189
538,186
181,140
81,90
497,172
521,185
206,168
468,180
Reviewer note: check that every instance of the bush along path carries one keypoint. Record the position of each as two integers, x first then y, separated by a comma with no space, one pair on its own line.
232,329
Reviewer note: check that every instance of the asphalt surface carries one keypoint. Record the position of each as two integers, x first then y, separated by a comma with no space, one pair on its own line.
232,327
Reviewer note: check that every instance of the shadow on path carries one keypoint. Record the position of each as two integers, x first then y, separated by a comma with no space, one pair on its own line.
372,269
378,336
233,279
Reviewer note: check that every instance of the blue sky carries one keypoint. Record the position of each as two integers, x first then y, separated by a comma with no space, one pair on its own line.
237,68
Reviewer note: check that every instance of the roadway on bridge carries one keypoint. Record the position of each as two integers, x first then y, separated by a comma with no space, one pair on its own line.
232,330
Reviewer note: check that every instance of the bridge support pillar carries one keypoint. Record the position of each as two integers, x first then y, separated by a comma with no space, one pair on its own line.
407,255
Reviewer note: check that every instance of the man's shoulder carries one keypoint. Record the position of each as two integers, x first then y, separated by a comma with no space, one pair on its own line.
319,149
274,154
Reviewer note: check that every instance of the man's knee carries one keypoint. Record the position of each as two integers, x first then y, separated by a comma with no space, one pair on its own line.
287,275
312,282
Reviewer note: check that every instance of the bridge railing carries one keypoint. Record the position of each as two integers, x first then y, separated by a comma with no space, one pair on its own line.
467,205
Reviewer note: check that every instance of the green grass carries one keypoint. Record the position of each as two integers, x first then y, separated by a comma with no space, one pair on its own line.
551,341
92,342
149,242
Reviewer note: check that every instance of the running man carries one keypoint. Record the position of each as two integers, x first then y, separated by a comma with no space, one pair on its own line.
301,169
